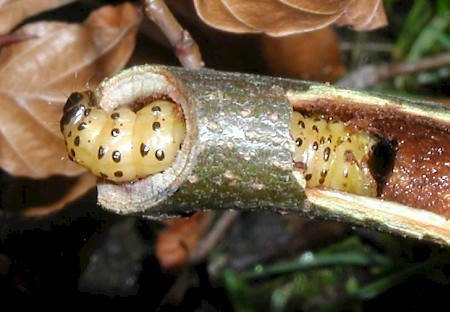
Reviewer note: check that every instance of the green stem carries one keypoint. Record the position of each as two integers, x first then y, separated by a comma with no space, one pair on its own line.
310,261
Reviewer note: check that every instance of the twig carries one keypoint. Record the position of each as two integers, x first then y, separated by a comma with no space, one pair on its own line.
373,74
238,151
368,46
176,293
211,240
186,49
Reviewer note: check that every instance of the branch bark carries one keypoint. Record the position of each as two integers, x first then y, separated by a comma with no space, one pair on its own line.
238,150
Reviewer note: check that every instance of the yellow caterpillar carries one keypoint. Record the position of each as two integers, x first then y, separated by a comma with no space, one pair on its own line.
331,156
122,145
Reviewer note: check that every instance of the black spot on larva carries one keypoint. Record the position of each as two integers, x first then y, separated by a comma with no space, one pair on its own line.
299,142
315,146
326,153
349,156
115,132
156,125
115,116
65,142
159,154
72,152
103,175
69,134
101,152
181,145
118,174
301,124
156,110
314,127
323,175
82,126
87,112
116,156
76,141
144,149
322,140
300,165
308,176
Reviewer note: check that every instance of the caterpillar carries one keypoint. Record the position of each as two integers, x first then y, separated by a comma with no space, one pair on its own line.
333,156
122,145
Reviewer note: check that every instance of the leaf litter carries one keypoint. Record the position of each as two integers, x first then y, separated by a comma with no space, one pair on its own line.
36,77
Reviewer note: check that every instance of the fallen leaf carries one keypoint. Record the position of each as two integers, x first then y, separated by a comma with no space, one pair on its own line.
13,12
181,235
364,15
37,75
312,55
37,198
319,7
13,38
215,14
285,17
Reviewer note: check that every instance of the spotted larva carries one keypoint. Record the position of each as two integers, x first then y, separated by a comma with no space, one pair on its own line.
122,145
332,156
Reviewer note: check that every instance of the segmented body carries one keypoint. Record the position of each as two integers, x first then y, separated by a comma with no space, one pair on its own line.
122,145
332,156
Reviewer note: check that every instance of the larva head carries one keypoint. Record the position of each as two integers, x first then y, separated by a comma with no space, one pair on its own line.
74,108
121,145
77,107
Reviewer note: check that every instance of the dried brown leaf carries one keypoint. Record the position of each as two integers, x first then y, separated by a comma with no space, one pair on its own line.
181,236
13,38
312,55
37,75
319,7
36,198
364,15
214,13
13,12
69,193
275,18
286,17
